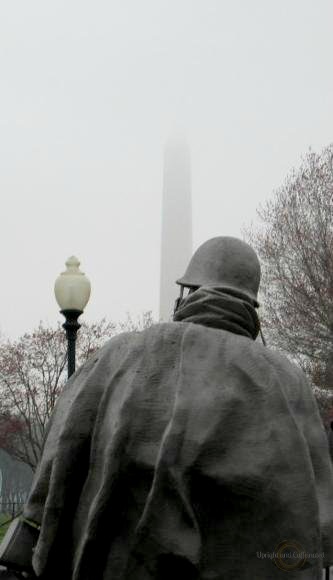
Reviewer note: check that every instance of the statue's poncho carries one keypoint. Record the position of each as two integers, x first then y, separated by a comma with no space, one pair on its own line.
183,451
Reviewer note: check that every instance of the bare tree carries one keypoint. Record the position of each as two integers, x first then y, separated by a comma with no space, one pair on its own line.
32,375
295,244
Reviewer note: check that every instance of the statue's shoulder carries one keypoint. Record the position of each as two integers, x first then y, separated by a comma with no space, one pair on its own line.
156,334
280,360
253,354
277,367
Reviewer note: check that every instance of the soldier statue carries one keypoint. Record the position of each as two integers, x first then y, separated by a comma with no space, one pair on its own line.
187,450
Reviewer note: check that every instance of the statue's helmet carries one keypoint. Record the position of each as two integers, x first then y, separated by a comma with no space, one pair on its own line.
226,262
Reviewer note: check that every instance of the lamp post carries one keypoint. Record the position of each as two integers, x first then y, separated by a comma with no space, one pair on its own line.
72,292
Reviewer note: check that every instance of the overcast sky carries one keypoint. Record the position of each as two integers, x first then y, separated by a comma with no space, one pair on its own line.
91,91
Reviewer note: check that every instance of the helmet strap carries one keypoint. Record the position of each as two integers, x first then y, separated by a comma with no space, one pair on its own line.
262,337
179,299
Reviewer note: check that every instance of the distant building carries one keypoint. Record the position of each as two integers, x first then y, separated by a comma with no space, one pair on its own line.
176,248
16,479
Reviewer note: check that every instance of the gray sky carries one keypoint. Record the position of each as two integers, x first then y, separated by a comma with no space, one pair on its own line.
90,92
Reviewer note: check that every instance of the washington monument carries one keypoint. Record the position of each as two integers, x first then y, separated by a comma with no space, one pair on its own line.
176,247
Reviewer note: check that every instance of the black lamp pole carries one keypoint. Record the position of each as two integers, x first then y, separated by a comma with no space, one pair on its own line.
71,326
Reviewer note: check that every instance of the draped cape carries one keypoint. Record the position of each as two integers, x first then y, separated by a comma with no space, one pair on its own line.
184,451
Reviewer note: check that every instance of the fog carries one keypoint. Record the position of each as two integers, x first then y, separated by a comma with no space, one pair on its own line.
91,91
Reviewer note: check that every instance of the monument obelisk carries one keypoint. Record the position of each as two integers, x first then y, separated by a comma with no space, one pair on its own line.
176,247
